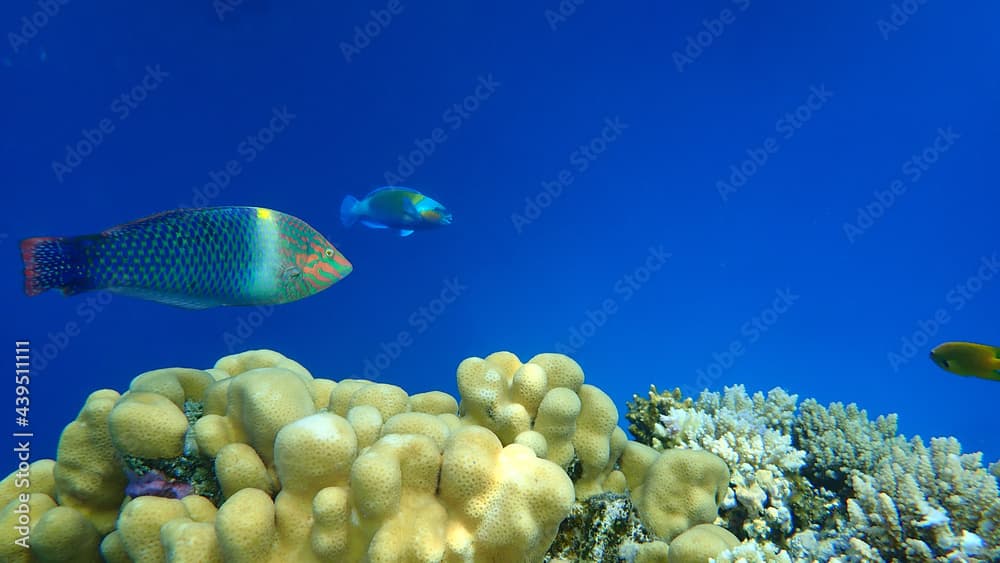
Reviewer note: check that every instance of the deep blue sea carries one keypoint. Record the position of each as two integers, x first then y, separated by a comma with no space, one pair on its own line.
682,194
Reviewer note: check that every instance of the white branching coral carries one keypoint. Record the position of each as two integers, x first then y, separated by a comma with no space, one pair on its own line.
753,436
754,552
841,438
857,489
904,500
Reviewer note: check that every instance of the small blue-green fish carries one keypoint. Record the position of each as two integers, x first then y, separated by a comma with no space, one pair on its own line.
191,258
397,208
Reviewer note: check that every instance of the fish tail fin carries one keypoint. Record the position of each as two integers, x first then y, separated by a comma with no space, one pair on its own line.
49,264
347,214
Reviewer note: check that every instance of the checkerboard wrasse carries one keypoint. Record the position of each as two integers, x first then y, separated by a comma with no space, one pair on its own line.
191,258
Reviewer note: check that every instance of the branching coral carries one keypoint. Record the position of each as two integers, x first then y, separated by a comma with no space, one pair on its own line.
902,500
841,439
857,490
752,435
258,460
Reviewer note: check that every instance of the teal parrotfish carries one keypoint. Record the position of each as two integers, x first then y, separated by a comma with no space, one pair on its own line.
403,209
968,359
191,258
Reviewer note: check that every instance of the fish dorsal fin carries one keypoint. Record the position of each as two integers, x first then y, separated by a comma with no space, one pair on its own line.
171,216
405,232
161,216
393,189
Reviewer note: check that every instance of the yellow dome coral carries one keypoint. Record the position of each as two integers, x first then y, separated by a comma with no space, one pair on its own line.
147,425
545,405
64,534
237,466
511,505
260,401
701,543
87,475
18,519
316,470
176,384
681,489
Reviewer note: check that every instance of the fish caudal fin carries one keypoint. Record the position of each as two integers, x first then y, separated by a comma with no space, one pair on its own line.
347,214
49,264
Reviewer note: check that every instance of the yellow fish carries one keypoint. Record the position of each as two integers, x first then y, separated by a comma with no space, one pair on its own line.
969,359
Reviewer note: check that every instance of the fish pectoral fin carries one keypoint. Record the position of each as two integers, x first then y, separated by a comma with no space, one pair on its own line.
410,211
405,232
373,225
290,273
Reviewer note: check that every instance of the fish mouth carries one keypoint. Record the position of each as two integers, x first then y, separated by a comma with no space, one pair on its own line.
446,219
342,266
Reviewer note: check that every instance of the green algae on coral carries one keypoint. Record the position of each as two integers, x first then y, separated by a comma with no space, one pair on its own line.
597,529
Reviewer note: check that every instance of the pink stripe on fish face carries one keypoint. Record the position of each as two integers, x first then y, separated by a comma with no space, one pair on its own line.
320,273
342,260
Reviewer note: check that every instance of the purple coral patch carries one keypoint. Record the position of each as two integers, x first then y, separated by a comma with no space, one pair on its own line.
155,483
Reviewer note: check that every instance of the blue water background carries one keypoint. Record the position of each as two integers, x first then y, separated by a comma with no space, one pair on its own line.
364,92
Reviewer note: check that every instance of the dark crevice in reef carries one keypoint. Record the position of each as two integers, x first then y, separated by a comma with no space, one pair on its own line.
191,468
596,530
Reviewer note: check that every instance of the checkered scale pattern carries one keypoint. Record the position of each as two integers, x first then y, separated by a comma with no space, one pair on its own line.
206,253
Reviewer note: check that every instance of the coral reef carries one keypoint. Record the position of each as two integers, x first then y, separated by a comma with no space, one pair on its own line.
901,499
829,483
751,434
700,543
599,529
256,459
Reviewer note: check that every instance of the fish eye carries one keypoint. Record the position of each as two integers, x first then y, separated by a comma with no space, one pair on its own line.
328,253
